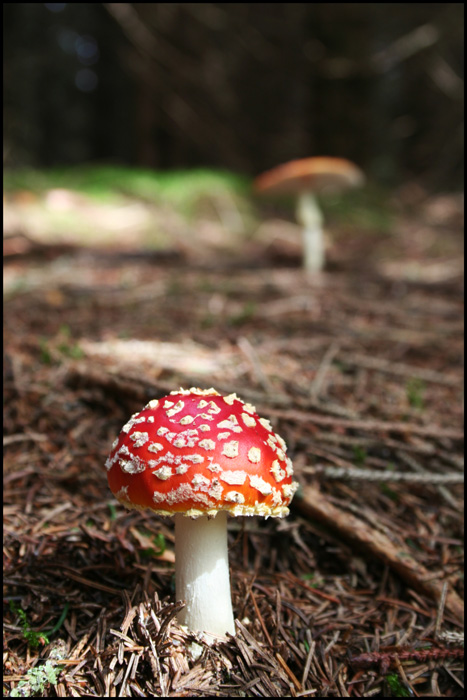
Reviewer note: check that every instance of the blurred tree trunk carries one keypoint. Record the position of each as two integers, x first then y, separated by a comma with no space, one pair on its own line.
387,92
238,85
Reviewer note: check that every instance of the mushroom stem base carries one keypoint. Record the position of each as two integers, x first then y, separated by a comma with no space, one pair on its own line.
310,217
202,574
313,249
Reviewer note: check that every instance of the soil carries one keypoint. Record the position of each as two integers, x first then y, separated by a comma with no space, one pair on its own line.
359,591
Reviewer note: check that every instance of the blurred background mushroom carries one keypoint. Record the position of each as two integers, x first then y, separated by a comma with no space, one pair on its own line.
307,179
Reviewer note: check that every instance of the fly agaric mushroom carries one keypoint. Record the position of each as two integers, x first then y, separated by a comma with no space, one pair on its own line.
199,456
306,178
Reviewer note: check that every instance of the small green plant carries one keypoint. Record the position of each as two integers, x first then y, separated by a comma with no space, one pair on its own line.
244,315
159,545
36,681
311,580
415,388
398,690
32,637
389,492
65,330
359,455
71,350
66,346
45,354
307,577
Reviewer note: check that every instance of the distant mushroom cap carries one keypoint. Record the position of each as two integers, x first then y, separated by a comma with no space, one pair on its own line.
196,452
319,174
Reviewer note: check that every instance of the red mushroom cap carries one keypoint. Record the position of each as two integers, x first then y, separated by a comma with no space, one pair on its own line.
196,452
318,174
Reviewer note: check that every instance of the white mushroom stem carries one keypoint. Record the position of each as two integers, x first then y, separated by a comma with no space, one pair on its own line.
310,217
202,574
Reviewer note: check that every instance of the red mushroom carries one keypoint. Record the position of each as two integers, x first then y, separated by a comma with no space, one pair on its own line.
200,456
306,178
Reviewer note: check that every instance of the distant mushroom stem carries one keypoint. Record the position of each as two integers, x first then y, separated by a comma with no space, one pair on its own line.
202,574
310,217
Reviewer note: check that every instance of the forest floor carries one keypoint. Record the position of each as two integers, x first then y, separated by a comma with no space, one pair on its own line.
359,591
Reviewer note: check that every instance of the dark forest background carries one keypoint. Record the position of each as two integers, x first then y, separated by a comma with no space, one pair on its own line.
240,86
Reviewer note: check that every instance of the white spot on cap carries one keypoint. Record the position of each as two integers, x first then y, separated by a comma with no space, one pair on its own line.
186,420
261,485
248,407
196,459
132,466
248,420
162,431
214,467
265,423
139,439
215,490
163,473
289,489
168,404
230,399
195,390
277,498
155,447
154,403
223,436
123,450
200,480
158,497
276,471
233,477
127,427
281,442
227,423
230,449
254,455
231,423
185,492
235,497
207,444
176,409
204,427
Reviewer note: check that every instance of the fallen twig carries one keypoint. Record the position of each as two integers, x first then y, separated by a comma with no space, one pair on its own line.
399,369
386,659
368,425
315,505
375,475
